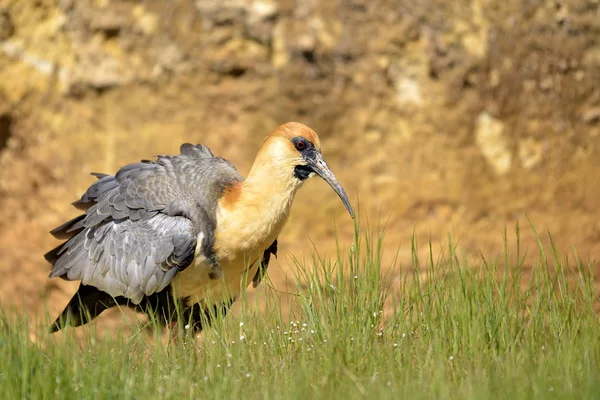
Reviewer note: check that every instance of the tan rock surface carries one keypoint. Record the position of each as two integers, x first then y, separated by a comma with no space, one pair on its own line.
439,116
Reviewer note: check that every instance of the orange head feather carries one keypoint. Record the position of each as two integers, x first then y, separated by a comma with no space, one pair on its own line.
291,130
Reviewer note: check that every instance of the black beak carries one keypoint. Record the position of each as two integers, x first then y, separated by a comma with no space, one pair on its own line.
315,161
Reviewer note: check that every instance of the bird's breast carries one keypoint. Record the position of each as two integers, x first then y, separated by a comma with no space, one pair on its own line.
195,283
246,226
239,246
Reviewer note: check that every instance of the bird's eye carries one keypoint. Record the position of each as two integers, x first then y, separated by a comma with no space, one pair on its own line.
300,145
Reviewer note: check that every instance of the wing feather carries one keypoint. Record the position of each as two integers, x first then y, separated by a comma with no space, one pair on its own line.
138,267
141,225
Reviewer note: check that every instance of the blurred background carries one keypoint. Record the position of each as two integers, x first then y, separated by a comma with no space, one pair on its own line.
438,116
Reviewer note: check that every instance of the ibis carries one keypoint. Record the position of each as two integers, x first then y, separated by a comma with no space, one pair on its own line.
181,237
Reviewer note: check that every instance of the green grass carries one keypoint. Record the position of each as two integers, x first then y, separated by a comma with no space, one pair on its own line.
437,329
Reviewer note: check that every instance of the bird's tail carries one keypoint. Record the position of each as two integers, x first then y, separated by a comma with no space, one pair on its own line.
85,305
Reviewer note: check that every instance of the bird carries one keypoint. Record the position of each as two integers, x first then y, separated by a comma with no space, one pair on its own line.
178,237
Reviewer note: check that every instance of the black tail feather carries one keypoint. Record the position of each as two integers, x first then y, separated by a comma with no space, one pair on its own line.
84,306
89,302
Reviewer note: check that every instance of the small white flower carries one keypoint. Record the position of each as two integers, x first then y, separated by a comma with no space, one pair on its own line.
187,326
451,358
248,375
285,333
242,337
241,323
404,335
395,344
312,331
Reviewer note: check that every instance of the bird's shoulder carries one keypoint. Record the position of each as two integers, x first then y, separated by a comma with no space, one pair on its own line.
196,164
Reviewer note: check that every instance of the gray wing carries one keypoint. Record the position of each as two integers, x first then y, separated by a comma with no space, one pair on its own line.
188,185
140,225
128,258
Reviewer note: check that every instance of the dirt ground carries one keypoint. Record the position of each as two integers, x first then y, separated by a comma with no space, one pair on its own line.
439,117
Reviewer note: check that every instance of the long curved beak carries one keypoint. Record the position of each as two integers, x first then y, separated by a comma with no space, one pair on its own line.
315,160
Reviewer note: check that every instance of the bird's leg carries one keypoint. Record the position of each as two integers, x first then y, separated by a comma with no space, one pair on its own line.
197,317
174,330
177,331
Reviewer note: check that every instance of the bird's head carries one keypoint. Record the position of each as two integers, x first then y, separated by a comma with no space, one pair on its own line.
295,149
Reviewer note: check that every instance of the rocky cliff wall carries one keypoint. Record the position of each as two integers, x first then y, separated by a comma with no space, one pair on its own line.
438,116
